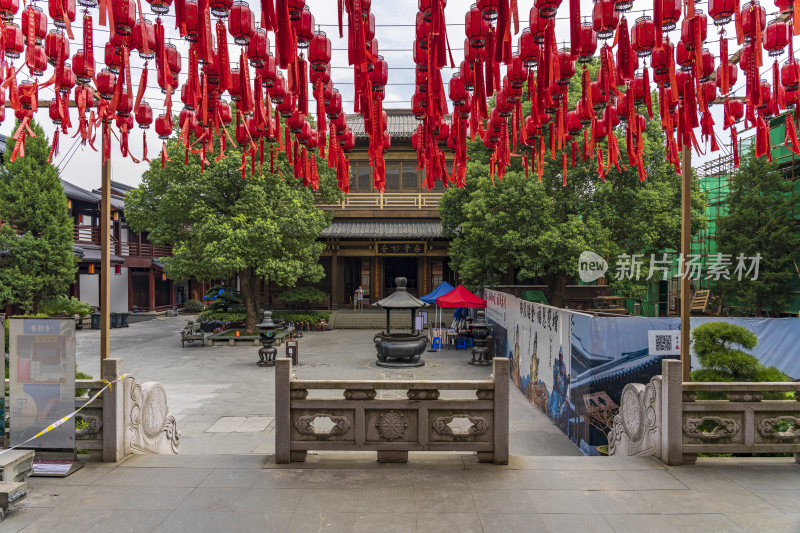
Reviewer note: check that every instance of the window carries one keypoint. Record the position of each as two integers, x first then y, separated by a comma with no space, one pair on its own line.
361,177
393,171
410,176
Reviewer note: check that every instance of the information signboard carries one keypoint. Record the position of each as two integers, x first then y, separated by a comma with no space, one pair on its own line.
42,381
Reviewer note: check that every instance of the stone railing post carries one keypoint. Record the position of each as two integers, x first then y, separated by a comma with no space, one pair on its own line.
283,376
671,412
500,371
113,420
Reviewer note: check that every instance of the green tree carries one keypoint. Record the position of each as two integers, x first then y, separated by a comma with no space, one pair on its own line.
263,227
538,229
37,262
760,220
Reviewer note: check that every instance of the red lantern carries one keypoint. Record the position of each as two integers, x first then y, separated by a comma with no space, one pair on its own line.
643,36
622,103
159,7
610,116
106,83
54,43
113,57
547,8
690,27
187,115
241,23
191,16
670,14
638,89
707,67
528,50
537,24
61,9
623,5
790,74
124,16
278,89
721,11
125,102
661,58
733,75
777,37
8,8
269,71
605,18
143,31
599,97
475,27
467,75
517,73
220,8
488,9
296,122
258,49
574,125
15,43
458,94
752,11
39,61
681,78
418,105
379,75
85,92
422,29
566,66
784,6
683,57
584,114
225,113
588,43
54,110
766,92
736,110
235,90
333,106
319,51
369,27
144,115
709,89
163,127
83,70
304,28
39,22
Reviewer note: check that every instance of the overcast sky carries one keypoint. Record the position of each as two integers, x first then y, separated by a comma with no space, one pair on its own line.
395,33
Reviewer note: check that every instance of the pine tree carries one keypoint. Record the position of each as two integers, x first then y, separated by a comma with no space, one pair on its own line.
37,262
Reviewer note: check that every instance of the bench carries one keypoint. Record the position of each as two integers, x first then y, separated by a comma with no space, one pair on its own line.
358,420
192,335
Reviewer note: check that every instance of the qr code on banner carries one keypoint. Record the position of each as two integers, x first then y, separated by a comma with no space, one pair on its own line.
666,342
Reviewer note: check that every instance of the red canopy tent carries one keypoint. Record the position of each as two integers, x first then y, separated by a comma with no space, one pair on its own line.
460,297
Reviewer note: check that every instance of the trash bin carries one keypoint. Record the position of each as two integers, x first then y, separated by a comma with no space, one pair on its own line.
114,320
293,351
95,320
123,320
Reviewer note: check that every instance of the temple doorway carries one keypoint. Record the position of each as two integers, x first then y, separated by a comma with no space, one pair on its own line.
400,266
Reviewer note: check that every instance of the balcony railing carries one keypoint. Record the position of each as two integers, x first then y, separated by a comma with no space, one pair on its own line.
360,200
87,234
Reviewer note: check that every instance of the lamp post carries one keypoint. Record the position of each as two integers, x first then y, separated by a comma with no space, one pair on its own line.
480,332
266,330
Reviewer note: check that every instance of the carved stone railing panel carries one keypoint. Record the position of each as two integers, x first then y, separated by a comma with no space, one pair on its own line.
149,427
412,419
744,422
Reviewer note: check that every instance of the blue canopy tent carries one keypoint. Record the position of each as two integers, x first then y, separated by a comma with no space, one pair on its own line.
441,290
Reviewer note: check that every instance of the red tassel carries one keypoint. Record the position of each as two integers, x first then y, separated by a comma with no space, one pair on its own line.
735,145
563,169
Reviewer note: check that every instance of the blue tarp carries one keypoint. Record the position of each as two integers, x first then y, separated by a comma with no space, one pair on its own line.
439,291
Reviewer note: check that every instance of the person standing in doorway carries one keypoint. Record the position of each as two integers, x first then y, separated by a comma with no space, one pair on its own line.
360,298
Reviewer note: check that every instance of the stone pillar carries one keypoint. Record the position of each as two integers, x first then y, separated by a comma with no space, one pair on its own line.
131,301
672,412
113,425
151,289
500,371
283,376
336,278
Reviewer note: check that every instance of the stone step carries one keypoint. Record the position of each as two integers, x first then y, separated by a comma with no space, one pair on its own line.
10,493
16,465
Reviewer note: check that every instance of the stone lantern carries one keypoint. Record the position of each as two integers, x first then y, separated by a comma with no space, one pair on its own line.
400,350
266,330
480,332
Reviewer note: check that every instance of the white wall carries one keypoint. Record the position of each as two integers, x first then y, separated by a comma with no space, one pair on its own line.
90,285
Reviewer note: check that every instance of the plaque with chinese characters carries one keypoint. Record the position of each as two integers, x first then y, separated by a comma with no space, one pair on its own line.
401,248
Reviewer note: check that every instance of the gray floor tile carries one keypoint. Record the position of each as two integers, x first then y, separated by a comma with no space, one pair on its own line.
260,522
787,501
96,521
445,501
269,501
620,502
21,517
197,521
448,523
133,498
572,480
311,522
575,523
771,522
41,495
493,479
387,501
507,523
214,499
330,500
650,480
687,523
733,501
153,477
502,501
385,523
560,502
224,477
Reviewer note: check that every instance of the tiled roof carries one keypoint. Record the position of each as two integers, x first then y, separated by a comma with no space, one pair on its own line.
76,193
401,124
383,229
91,254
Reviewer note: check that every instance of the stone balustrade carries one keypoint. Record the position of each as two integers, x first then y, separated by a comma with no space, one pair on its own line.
128,418
666,418
421,421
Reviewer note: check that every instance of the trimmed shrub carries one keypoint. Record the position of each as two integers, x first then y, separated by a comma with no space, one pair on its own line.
193,306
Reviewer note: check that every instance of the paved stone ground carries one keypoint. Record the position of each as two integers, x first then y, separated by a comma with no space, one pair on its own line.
223,402
441,493
235,487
